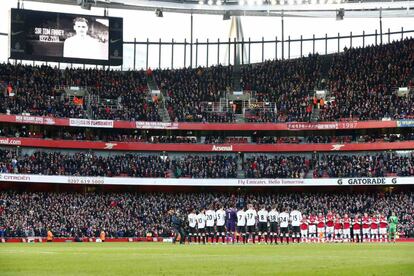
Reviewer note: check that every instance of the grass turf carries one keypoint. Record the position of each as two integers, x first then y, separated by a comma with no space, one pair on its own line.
168,259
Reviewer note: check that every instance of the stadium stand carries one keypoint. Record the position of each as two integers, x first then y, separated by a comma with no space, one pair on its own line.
186,89
42,91
136,214
132,165
364,81
287,83
357,88
145,136
353,90
209,166
353,81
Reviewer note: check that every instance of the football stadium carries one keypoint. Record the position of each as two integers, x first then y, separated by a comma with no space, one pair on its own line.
206,137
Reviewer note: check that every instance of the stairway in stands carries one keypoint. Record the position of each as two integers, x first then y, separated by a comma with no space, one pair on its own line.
151,84
162,107
315,114
239,118
326,61
309,174
162,111
240,170
236,77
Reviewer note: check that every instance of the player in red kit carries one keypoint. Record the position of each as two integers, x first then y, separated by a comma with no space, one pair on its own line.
374,228
330,226
366,225
321,227
346,231
338,228
356,229
383,224
312,227
304,229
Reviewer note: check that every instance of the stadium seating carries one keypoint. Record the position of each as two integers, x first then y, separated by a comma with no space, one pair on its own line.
41,91
364,82
132,165
360,84
186,89
120,135
287,83
136,214
209,166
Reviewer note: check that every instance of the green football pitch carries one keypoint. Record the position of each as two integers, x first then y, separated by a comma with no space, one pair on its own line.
169,259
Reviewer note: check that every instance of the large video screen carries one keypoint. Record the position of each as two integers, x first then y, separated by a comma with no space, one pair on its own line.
63,37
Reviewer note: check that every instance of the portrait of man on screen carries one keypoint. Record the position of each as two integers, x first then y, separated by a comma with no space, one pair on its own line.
82,44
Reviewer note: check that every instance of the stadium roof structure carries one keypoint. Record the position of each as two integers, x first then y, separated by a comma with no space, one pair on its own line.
286,8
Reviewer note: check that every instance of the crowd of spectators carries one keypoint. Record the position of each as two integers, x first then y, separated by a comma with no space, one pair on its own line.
282,166
123,137
372,138
186,90
288,84
84,164
361,84
365,165
320,139
40,91
356,90
172,139
314,165
129,90
208,166
137,214
131,165
35,92
129,138
143,136
106,135
222,139
317,139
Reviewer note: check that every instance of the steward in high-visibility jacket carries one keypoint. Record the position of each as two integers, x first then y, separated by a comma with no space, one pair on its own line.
102,236
49,236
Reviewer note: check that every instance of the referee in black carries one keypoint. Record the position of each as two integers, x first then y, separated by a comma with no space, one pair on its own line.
177,224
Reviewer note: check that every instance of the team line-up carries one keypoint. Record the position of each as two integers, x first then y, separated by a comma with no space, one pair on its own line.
246,225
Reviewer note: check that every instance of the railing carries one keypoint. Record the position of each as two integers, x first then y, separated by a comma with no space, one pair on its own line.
281,49
208,53
247,107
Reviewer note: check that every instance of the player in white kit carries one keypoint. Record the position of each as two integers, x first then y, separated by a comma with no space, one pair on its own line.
192,223
201,226
251,216
211,217
284,225
241,225
273,220
220,222
295,218
263,218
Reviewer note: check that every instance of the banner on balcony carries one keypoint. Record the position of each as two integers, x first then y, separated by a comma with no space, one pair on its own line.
91,123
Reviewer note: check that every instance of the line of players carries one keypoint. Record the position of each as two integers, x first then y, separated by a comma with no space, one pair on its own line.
232,225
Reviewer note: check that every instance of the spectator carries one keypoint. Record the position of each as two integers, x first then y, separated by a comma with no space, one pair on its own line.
136,214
